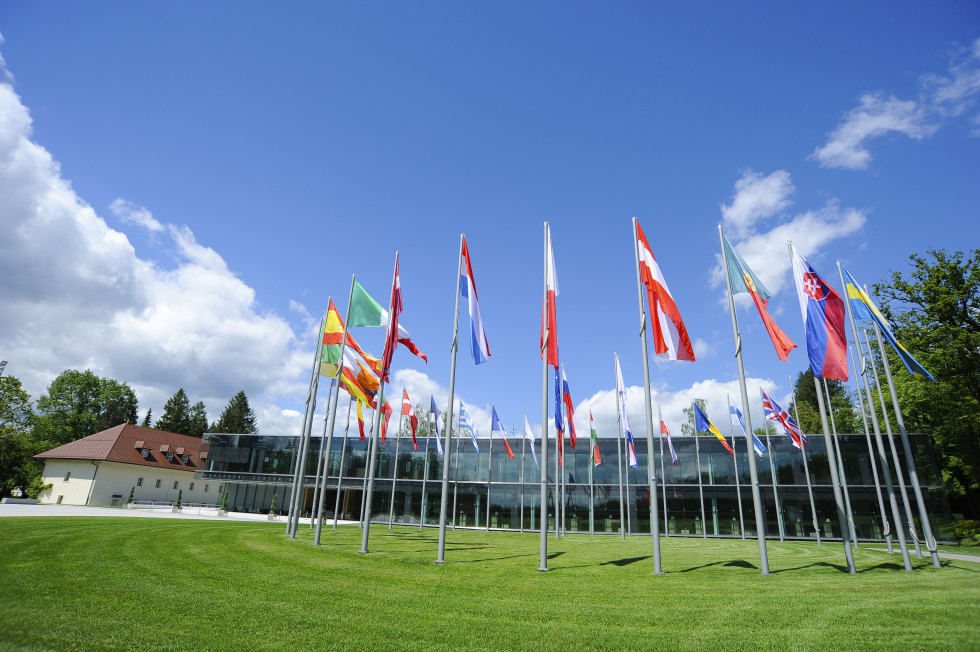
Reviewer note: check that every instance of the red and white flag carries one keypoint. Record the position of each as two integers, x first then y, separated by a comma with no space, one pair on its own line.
549,313
386,411
408,410
391,340
670,339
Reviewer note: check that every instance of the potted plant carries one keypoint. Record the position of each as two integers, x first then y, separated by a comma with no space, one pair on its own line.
129,501
223,509
177,504
272,508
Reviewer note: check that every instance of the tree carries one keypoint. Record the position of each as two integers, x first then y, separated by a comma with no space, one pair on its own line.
198,420
147,423
845,417
935,314
237,417
176,414
17,444
79,404
688,428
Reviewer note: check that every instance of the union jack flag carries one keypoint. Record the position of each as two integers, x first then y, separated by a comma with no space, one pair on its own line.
776,413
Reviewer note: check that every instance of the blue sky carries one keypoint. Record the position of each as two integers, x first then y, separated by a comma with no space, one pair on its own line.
183,186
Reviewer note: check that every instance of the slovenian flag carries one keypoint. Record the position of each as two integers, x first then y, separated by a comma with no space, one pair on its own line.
467,288
496,426
703,424
623,419
823,317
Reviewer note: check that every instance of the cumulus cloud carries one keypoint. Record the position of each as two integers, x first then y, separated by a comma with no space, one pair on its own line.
76,294
941,97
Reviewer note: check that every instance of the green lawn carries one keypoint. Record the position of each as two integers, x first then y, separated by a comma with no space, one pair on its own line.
128,583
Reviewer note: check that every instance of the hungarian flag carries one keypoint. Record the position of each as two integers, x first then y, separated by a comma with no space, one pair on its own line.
664,430
408,410
703,424
742,279
467,288
596,458
569,409
549,311
496,426
670,339
823,317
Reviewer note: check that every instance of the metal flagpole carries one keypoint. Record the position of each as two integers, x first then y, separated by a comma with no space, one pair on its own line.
738,486
651,462
298,493
909,460
558,455
835,480
891,444
299,443
697,455
456,469
629,500
340,472
806,470
394,472
840,462
663,477
753,472
323,439
367,456
425,476
392,333
592,446
543,513
867,436
441,555
489,470
775,480
619,459
523,444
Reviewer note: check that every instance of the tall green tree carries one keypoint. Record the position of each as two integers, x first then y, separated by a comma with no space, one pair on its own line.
147,421
935,313
17,444
237,417
176,414
846,418
688,427
197,420
79,403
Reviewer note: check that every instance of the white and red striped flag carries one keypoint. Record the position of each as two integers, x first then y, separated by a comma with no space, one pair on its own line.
408,410
670,339
549,312
391,341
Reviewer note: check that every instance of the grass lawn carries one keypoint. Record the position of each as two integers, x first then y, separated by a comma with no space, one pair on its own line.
135,583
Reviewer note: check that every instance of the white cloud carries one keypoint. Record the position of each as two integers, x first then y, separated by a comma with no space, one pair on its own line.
954,94
757,197
77,295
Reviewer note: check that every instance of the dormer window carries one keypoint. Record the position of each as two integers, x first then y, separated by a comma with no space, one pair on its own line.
185,458
170,456
144,450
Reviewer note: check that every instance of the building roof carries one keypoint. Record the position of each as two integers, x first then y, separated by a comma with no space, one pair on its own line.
126,442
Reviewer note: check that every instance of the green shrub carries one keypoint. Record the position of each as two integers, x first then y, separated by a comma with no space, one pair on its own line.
179,494
130,499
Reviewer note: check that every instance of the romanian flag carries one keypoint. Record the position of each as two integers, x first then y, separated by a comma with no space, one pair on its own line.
742,279
703,424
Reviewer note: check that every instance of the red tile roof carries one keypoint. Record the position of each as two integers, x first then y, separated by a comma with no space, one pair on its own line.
119,445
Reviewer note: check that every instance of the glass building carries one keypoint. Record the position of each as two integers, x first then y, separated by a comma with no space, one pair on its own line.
707,493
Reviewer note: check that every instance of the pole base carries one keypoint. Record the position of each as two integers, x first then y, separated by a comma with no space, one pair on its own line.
766,574
544,570
362,552
659,573
439,562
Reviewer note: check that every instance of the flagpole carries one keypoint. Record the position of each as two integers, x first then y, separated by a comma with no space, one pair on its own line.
441,555
697,457
775,480
909,460
651,462
738,486
886,530
543,561
369,446
425,476
523,444
295,504
899,531
753,472
592,445
392,333
663,476
840,462
806,468
323,439
489,470
559,450
394,472
299,440
456,469
619,459
340,472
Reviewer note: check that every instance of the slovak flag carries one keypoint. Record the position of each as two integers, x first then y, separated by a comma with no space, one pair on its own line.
664,430
549,311
569,409
467,288
776,413
408,410
496,426
623,419
670,339
823,317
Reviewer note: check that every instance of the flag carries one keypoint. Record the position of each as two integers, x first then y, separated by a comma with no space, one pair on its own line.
364,310
391,339
623,419
387,411
559,424
331,350
360,420
434,420
528,435
664,430
464,424
496,426
670,339
549,311
823,317
864,308
467,287
404,338
363,386
738,422
596,458
569,409
776,413
408,410
742,279
703,424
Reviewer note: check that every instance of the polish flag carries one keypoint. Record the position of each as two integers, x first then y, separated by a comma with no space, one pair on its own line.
670,338
549,314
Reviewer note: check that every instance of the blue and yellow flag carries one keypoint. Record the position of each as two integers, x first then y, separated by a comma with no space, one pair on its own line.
864,308
703,424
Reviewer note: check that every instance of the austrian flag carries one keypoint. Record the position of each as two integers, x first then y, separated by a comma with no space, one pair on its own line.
670,339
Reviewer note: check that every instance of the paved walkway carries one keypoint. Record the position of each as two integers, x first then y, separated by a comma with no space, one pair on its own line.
192,513
942,555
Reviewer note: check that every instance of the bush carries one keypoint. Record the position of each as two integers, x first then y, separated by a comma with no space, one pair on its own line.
130,499
272,508
179,494
224,500
968,532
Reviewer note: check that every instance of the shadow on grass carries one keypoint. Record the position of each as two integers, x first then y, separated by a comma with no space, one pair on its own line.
555,555
624,562
474,561
820,564
734,563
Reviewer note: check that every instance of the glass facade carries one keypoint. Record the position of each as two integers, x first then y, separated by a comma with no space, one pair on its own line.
706,493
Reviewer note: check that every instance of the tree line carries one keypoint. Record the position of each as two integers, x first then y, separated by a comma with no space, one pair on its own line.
80,403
